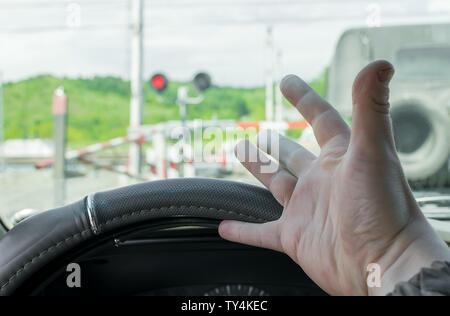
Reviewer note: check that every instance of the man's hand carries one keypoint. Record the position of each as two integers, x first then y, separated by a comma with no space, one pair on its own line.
347,208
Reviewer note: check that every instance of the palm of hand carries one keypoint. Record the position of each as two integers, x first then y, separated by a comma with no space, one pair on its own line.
345,208
339,198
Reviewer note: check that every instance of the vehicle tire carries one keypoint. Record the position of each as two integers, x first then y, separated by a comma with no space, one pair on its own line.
422,135
440,179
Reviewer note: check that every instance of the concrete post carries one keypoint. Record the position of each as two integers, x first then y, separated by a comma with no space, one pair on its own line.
60,130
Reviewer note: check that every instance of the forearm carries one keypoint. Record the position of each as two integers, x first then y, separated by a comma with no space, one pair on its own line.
406,258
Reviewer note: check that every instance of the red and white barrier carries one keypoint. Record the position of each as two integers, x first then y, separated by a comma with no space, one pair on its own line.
300,125
116,169
148,130
76,154
162,165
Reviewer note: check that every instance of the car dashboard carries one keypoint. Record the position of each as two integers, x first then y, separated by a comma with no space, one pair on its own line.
175,257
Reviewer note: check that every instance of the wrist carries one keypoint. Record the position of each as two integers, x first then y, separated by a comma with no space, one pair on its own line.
416,248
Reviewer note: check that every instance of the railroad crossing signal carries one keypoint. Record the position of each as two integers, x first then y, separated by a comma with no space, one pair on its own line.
159,83
202,82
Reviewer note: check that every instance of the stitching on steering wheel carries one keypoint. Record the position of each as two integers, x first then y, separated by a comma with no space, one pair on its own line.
139,213
25,266
118,218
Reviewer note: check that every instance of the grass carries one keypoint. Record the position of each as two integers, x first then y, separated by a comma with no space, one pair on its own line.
99,106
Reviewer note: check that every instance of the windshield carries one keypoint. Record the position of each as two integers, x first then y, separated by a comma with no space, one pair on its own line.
424,62
98,94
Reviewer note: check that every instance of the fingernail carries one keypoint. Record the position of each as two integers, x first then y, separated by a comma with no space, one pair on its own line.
225,228
293,88
287,77
385,75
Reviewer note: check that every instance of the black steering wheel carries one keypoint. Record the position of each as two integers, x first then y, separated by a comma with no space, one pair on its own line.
42,239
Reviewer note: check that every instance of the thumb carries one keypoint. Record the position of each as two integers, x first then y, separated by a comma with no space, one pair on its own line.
371,123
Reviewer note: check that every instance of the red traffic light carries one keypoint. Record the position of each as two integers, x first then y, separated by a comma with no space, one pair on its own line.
159,83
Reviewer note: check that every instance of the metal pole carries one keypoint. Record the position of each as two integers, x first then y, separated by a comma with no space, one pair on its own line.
137,91
2,126
182,99
60,131
269,75
278,94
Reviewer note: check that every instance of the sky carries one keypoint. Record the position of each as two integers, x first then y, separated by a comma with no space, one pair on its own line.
226,38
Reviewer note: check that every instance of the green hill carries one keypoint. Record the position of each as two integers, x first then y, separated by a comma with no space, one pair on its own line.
98,107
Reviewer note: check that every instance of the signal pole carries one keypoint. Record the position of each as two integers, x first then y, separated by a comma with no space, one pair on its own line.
137,88
269,74
183,101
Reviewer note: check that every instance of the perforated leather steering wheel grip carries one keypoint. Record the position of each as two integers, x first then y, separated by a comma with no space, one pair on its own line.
43,238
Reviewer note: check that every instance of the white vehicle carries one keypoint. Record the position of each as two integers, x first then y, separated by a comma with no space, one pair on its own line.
420,91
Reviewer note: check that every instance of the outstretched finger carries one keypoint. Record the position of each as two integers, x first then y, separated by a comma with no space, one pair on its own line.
290,154
326,122
372,128
278,180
